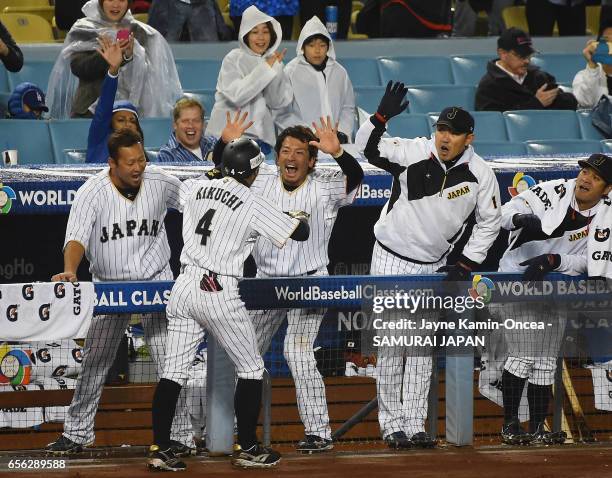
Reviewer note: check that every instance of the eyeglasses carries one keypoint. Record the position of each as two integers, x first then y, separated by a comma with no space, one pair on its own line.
520,57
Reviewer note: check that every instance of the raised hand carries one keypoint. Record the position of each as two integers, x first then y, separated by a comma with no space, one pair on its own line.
127,47
276,56
393,103
327,133
234,128
111,52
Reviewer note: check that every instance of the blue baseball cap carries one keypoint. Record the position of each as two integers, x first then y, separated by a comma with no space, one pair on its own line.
124,105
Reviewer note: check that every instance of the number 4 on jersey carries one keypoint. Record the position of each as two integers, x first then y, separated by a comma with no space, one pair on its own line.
203,226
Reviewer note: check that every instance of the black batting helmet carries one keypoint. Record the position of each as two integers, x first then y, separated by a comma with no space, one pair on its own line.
241,157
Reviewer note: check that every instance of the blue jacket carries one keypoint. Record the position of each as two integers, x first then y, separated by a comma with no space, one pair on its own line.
100,128
173,151
273,8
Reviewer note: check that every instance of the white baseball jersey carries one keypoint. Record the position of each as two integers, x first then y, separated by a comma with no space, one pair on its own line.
569,239
321,195
125,239
222,218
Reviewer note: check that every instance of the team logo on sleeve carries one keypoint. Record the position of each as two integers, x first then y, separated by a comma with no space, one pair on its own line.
481,287
602,235
521,182
7,196
15,366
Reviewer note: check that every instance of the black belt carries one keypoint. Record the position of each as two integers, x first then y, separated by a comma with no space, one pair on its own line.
311,273
408,258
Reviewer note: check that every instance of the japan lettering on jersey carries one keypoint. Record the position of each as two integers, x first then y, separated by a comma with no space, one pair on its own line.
221,220
321,195
125,239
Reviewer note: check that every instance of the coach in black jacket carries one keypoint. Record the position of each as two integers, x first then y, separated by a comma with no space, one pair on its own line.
511,83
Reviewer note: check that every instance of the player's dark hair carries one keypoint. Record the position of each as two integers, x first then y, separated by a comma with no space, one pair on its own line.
607,23
273,36
124,138
301,133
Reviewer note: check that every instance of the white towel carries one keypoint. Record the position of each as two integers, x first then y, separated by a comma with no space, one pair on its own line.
549,201
600,241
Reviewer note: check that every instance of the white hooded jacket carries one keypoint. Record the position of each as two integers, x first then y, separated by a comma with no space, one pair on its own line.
318,93
247,82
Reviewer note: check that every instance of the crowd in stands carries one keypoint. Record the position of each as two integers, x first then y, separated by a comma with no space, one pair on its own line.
116,69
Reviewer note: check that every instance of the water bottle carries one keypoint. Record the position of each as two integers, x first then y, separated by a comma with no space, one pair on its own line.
331,20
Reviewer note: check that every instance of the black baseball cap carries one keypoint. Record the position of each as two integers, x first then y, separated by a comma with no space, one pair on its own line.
600,163
457,119
515,39
35,99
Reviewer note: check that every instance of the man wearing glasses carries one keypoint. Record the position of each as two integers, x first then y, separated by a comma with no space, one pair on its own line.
513,83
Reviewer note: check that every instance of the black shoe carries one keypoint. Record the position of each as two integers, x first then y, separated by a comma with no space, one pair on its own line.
542,437
314,444
200,444
423,440
513,434
164,460
181,450
63,446
255,457
397,440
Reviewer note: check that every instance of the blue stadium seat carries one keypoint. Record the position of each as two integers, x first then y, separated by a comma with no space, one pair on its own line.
30,138
205,97
4,86
542,124
424,99
469,69
416,70
156,131
562,146
198,74
368,98
488,125
488,149
410,126
563,66
587,130
362,71
606,146
4,97
66,136
36,72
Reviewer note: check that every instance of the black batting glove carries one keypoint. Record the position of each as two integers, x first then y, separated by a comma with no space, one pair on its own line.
343,138
530,222
456,272
539,266
393,101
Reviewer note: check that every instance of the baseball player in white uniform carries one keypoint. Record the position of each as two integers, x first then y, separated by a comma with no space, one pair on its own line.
117,222
221,220
437,183
549,226
295,184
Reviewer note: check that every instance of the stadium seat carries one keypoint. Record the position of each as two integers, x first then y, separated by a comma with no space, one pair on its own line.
362,71
563,66
30,138
368,98
515,17
4,85
198,74
68,135
606,146
593,15
416,70
488,125
27,28
45,11
562,146
4,97
409,126
205,97
36,72
488,149
469,69
587,130
424,99
156,131
542,124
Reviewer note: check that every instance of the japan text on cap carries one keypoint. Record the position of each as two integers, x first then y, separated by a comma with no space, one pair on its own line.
457,119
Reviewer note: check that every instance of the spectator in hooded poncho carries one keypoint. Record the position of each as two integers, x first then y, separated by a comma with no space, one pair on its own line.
321,86
149,79
251,79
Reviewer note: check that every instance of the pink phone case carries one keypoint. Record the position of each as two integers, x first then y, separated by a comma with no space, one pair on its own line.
123,34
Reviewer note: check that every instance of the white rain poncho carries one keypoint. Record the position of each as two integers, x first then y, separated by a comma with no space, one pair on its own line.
150,81
248,83
318,93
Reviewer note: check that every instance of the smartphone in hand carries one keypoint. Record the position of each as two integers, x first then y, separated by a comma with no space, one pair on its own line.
123,34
